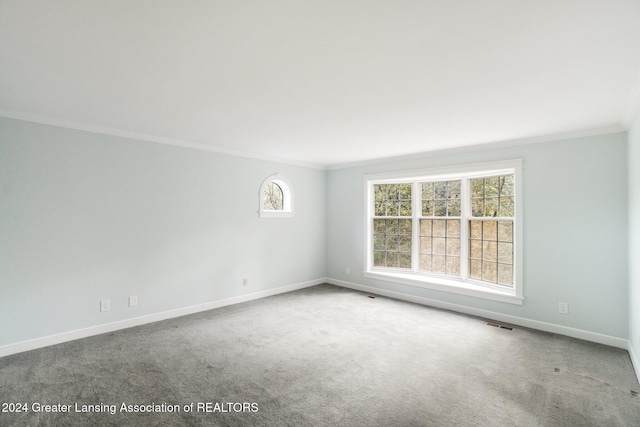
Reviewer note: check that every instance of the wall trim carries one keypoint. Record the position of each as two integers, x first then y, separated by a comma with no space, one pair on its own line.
635,362
633,105
483,146
492,315
105,130
60,338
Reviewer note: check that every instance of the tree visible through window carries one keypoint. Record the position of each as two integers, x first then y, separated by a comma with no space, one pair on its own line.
273,200
460,227
276,197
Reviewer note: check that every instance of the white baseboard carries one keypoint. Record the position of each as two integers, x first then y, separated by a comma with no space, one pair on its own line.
514,320
634,360
46,341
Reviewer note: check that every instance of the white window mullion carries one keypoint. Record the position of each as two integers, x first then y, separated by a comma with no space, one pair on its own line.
495,285
465,213
416,200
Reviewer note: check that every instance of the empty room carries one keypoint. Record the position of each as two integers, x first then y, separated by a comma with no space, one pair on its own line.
320,213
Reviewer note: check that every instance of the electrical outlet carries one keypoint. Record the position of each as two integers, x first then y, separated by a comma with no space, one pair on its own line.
105,305
347,271
133,301
563,308
245,282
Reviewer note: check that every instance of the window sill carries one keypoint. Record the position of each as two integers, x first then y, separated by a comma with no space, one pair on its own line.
277,214
446,285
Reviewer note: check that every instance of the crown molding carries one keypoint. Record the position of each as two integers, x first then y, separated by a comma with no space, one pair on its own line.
485,146
105,130
633,106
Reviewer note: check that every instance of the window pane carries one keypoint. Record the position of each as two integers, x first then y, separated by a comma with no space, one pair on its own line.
505,274
453,207
489,271
475,269
438,264
477,187
491,187
405,208
425,245
506,185
492,196
505,232
425,227
404,191
392,208
453,247
404,226
404,243
477,207
453,189
440,228
439,245
392,259
404,260
425,262
491,207
379,259
427,208
506,206
273,198
379,226
392,192
453,266
441,198
476,249
392,243
453,228
476,229
440,208
427,190
505,253
440,238
396,199
491,251
440,190
489,230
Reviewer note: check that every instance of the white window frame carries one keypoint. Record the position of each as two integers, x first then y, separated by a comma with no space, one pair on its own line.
414,277
287,210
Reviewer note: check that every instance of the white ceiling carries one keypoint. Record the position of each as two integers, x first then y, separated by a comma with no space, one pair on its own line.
323,82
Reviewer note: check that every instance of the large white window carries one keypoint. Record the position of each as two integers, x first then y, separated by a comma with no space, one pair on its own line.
455,229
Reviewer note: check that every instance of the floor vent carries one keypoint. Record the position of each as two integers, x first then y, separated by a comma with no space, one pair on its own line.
497,325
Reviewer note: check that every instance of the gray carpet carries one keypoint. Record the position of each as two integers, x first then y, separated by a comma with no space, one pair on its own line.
323,356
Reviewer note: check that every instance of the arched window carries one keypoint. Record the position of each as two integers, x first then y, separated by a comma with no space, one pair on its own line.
276,197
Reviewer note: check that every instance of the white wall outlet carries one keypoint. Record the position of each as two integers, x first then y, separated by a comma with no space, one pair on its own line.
563,308
245,282
105,305
347,271
133,301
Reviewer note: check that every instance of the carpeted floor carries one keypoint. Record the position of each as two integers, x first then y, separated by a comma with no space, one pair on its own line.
322,356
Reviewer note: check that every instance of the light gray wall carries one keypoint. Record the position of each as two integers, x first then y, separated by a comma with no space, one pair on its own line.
575,230
634,241
85,217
